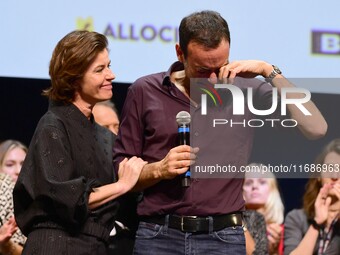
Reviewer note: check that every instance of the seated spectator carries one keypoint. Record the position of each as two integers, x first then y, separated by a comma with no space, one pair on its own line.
106,115
11,238
315,229
12,155
261,194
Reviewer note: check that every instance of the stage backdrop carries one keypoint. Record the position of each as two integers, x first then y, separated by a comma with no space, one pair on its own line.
301,37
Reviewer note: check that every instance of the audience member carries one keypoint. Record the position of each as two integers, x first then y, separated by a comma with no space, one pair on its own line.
65,196
106,115
11,238
12,155
315,229
261,193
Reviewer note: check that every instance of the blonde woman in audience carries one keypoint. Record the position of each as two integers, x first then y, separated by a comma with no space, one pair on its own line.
315,229
261,193
12,155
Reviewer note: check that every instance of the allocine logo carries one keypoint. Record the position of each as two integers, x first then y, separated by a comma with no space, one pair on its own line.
238,104
326,42
146,32
133,32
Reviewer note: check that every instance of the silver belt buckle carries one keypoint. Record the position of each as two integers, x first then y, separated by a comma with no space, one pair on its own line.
182,221
234,220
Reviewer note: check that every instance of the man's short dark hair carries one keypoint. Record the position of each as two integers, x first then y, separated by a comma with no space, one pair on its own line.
206,28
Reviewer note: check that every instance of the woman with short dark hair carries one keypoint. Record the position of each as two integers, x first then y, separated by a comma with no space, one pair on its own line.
65,197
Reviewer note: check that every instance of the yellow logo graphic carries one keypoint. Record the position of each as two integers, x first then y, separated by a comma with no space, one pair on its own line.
85,24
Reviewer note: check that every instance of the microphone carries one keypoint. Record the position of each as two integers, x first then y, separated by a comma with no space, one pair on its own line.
183,119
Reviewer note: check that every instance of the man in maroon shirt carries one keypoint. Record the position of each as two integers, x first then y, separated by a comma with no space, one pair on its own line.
204,218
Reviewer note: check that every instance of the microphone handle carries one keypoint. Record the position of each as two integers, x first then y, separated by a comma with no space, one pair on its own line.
184,139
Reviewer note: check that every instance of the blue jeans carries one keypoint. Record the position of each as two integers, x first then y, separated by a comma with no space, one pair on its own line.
153,239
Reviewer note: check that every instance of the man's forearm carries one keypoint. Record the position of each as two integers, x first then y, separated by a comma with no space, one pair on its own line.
149,176
312,126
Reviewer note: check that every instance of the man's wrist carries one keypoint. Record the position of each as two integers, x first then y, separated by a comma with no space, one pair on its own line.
157,173
273,73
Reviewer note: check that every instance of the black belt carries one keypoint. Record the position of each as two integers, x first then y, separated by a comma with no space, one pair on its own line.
194,224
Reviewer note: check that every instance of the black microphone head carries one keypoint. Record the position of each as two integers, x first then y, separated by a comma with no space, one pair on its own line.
183,118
